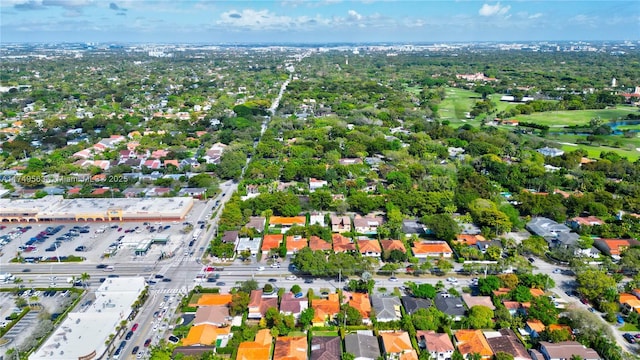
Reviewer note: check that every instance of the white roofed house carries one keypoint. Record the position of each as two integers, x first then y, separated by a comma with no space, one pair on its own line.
315,184
316,218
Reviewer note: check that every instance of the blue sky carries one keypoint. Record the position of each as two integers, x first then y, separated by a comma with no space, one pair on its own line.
315,21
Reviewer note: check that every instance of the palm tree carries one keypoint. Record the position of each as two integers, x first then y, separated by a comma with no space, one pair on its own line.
18,281
84,277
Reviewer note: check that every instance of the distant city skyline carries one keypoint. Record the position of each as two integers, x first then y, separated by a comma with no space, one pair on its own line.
306,21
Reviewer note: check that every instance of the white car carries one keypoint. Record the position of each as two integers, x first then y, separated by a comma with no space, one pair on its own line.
260,268
452,280
291,277
393,278
275,265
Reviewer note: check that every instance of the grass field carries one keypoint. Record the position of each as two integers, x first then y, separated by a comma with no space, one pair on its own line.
457,103
576,117
626,147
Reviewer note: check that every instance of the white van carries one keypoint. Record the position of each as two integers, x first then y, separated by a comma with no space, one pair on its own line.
109,268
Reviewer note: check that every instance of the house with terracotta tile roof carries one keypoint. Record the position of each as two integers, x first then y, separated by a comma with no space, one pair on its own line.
340,224
370,248
473,341
580,221
361,302
295,244
259,349
367,224
271,241
425,249
395,344
289,305
212,315
438,345
259,304
468,239
316,243
212,300
284,223
158,154
342,243
325,309
536,292
534,327
614,247
291,348
172,162
630,302
208,335
390,245
506,341
326,348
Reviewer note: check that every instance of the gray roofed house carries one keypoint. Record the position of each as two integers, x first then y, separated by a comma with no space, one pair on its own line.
326,348
192,191
483,245
387,308
256,222
362,346
412,226
412,304
556,234
230,237
450,305
551,152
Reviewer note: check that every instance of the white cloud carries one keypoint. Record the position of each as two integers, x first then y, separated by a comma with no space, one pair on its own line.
492,10
535,16
353,15
250,19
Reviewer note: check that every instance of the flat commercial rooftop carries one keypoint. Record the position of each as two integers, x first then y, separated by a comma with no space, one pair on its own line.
83,334
55,207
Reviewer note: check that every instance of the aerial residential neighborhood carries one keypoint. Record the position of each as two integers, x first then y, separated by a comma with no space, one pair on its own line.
410,199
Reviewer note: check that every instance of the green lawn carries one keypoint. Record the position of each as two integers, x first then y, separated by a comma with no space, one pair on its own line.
623,146
628,327
456,104
576,117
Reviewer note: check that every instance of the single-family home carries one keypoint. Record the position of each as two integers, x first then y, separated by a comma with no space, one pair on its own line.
209,299
284,223
214,154
438,345
340,224
271,242
212,315
387,308
325,309
316,219
367,224
316,243
342,243
193,192
230,237
550,152
361,302
412,227
425,249
315,184
469,239
290,305
257,223
557,235
363,345
506,341
248,244
581,221
369,248
472,301
259,349
450,305
295,244
326,348
412,304
534,327
473,342
259,304
614,247
390,245
208,335
629,302
565,350
395,344
291,348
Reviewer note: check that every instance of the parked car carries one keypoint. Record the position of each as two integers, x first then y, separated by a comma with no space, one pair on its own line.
630,338
135,349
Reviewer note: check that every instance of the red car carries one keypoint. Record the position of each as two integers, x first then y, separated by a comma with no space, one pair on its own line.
147,342
134,327
209,269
